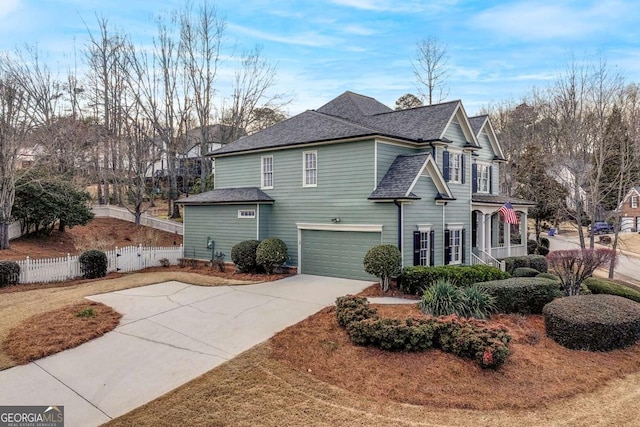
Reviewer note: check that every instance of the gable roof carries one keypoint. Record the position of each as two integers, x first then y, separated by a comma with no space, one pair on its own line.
633,190
481,124
228,196
356,116
403,174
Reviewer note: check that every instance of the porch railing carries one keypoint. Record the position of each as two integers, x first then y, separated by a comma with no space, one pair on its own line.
486,258
503,252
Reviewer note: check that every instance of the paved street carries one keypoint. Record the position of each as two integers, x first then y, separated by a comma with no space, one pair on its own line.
628,267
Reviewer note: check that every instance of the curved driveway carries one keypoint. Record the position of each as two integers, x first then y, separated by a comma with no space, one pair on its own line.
169,334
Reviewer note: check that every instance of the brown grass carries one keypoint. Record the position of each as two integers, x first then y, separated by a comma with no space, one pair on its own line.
18,303
58,330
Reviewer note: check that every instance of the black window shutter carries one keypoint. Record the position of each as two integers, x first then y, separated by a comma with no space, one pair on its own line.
445,165
462,244
462,168
447,247
490,179
474,177
474,225
416,248
432,252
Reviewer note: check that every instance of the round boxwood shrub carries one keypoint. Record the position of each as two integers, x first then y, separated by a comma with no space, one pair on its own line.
604,286
525,272
383,261
524,295
9,273
93,264
593,322
271,253
243,256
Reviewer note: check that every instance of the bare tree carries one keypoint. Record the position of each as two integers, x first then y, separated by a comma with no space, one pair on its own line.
252,82
201,36
430,66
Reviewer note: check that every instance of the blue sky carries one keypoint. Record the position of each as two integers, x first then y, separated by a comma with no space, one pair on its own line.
498,50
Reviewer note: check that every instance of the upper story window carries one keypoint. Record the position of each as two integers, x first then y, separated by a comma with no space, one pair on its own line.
634,202
246,213
266,181
310,169
484,178
455,167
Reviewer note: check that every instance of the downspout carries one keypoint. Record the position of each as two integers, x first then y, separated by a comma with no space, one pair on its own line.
399,205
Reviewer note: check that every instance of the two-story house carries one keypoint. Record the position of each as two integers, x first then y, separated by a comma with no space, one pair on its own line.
333,182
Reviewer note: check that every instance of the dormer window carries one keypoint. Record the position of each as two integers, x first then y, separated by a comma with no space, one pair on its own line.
481,178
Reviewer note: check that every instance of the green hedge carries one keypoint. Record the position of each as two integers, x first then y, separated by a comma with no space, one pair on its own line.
537,262
93,264
9,273
243,256
603,286
593,322
413,280
524,295
525,272
463,338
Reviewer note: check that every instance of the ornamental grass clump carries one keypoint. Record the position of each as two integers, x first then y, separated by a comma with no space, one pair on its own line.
443,298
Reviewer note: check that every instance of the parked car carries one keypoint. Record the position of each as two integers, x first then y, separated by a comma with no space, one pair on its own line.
600,227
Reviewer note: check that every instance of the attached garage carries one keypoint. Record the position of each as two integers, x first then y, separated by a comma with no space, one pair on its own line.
336,250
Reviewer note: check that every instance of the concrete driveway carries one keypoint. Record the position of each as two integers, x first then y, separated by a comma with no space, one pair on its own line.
170,333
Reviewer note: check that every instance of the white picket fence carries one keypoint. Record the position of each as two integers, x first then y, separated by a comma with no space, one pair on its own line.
130,258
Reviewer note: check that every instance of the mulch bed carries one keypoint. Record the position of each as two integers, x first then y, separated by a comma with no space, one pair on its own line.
55,331
376,291
538,371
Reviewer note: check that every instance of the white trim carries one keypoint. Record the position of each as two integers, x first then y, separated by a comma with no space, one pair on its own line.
401,234
488,166
251,213
453,228
451,225
460,166
424,228
434,172
304,168
371,228
262,186
462,118
299,266
375,164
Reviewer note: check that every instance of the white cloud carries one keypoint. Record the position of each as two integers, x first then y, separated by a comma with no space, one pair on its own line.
540,20
414,6
308,38
359,30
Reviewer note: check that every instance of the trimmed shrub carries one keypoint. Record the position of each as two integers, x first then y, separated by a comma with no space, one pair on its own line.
603,286
544,242
489,347
351,309
548,276
593,322
532,245
524,295
9,273
271,253
543,251
414,280
93,264
525,272
537,262
383,261
243,255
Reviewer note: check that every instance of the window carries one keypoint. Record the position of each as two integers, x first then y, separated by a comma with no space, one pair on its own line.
455,167
267,172
634,202
455,246
483,178
424,248
246,213
310,168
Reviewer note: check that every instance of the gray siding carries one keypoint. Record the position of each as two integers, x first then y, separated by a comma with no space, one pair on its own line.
220,223
486,154
424,211
387,153
454,133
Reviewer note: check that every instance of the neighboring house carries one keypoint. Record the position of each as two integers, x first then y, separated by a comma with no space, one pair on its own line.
563,175
333,182
629,210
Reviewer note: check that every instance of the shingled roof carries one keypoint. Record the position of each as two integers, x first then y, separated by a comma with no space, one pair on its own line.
228,196
399,180
477,123
350,116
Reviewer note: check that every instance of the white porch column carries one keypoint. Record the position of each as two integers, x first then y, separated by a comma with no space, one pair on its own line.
487,233
524,228
483,233
507,237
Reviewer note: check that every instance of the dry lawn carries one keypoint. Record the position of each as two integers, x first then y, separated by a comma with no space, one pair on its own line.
18,303
58,330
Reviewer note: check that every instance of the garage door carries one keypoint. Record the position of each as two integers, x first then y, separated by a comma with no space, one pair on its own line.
336,253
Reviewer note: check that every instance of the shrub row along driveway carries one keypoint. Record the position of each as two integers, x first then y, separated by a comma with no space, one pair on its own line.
169,334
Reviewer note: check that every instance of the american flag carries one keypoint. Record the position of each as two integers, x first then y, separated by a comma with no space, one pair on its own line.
508,214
